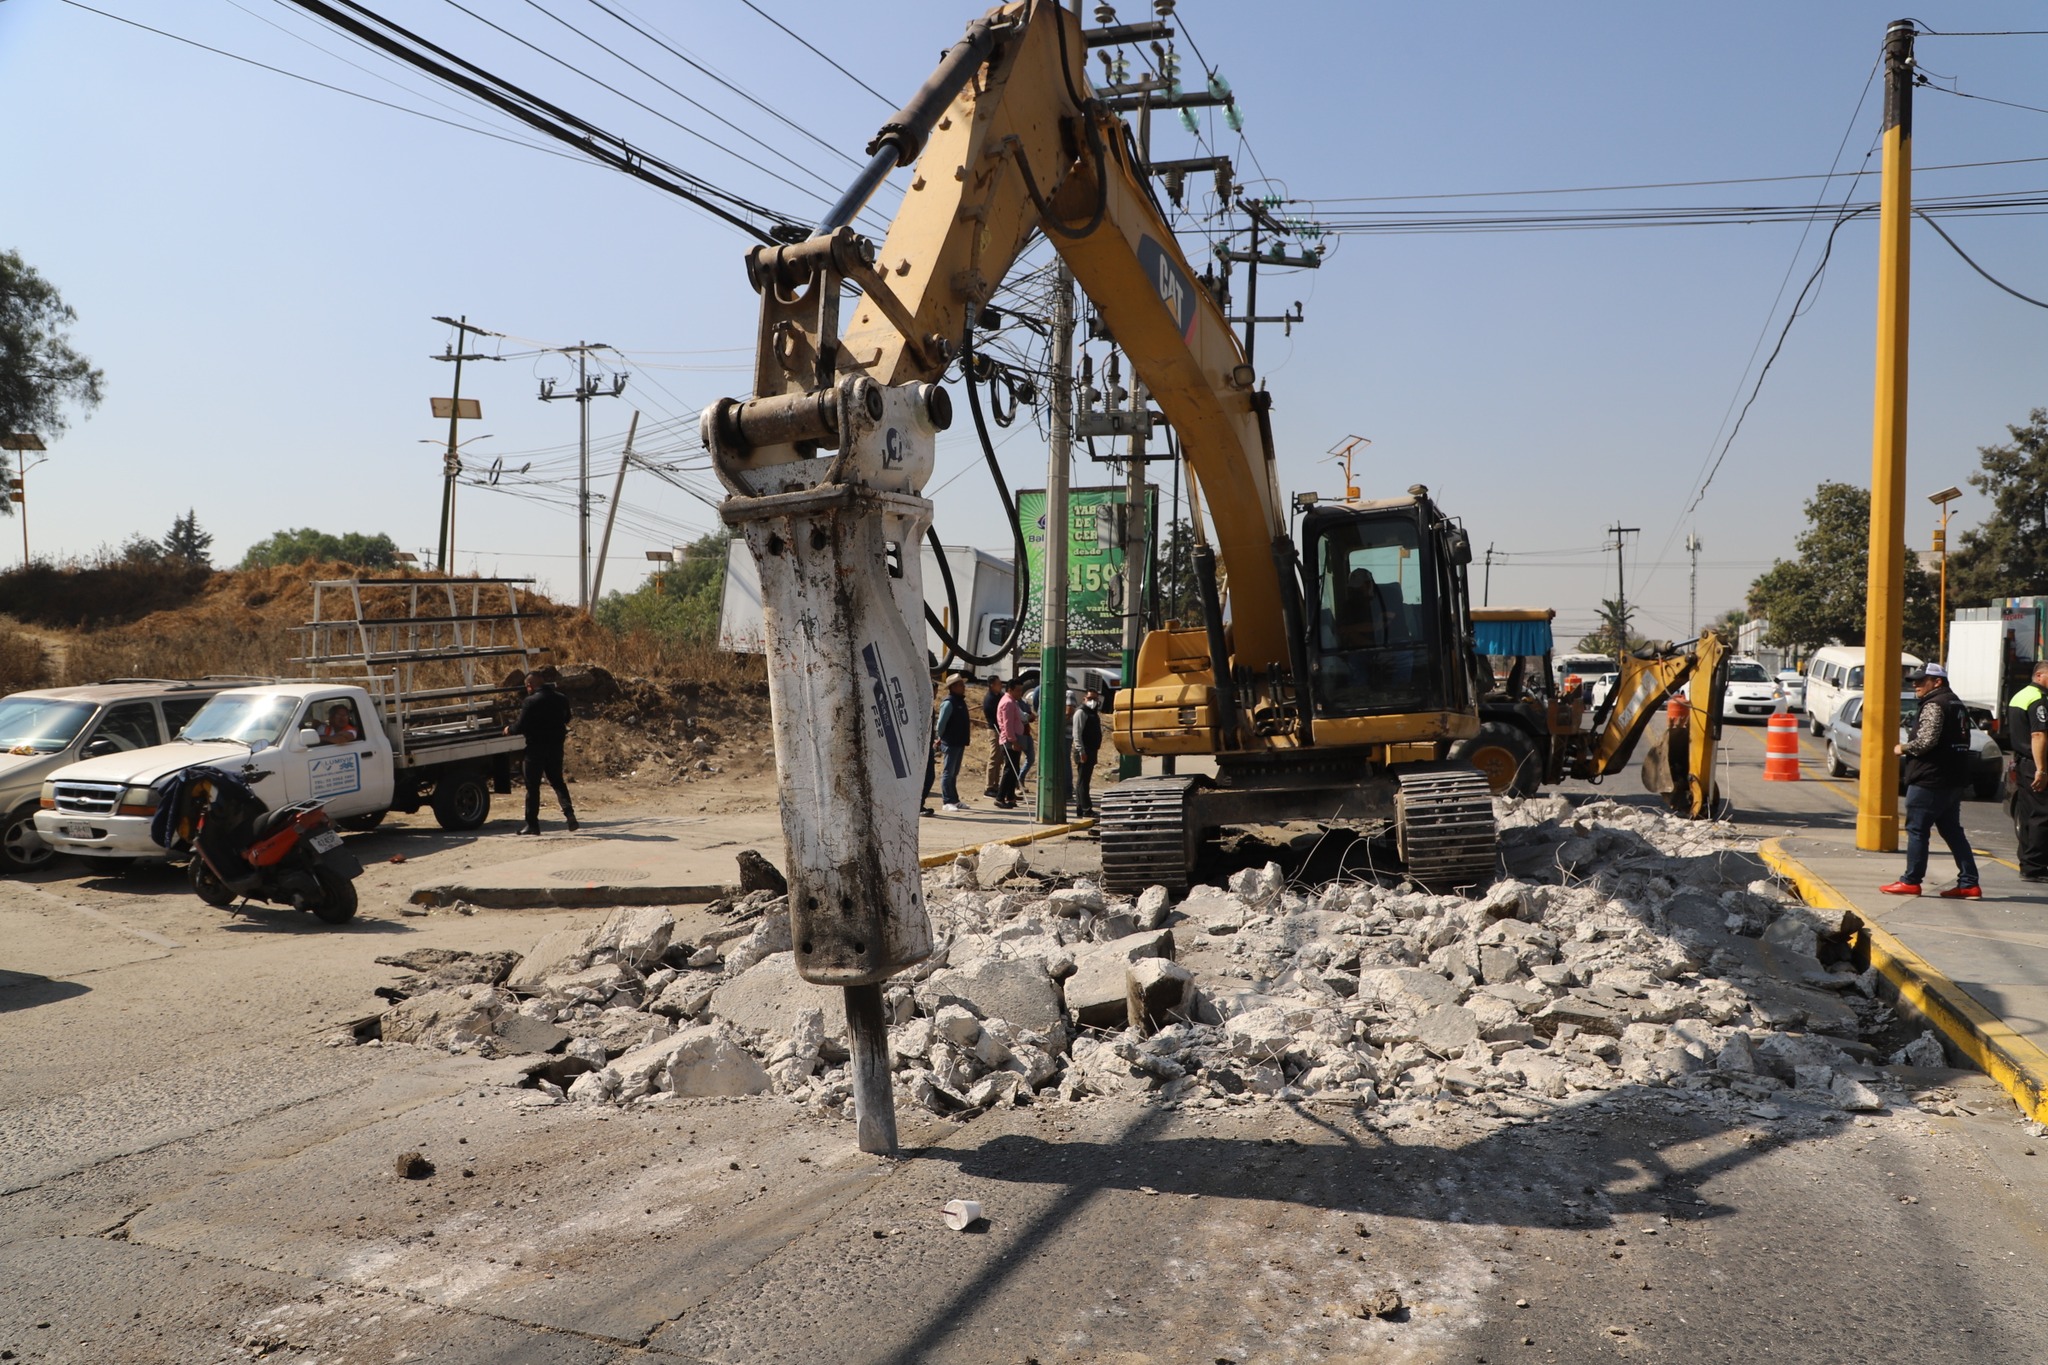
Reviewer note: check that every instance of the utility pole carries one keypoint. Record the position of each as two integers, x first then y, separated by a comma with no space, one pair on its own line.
587,388
1052,649
611,513
21,443
1621,589
1279,256
452,407
1486,583
1877,796
1692,547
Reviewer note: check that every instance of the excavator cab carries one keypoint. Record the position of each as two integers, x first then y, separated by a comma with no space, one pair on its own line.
1388,611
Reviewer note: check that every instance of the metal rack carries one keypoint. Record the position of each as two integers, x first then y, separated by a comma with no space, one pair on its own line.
419,647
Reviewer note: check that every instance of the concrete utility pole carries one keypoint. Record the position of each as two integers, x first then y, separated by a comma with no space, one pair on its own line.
1621,588
1692,547
21,443
1486,583
1052,649
1877,796
587,388
451,464
611,513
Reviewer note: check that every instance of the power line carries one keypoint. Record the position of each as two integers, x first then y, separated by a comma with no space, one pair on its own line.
550,119
828,60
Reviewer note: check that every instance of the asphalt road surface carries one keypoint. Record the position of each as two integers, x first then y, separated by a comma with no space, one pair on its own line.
189,1173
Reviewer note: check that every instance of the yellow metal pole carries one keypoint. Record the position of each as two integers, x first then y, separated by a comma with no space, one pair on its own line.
1877,802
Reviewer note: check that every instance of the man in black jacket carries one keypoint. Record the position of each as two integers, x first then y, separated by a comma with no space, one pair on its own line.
544,720
1087,746
954,732
1937,768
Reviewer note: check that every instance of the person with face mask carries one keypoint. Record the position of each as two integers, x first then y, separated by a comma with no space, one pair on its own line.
1087,744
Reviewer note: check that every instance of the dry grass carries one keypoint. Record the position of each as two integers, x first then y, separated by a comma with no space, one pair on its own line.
24,663
241,623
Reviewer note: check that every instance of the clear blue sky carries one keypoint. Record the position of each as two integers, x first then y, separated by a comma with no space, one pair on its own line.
255,263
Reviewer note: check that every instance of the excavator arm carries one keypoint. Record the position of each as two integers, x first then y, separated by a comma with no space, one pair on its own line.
1681,767
825,464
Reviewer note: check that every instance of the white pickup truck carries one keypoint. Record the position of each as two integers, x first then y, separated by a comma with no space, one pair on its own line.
309,741
403,704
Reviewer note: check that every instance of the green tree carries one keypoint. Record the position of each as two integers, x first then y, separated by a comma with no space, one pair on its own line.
2007,556
40,375
680,603
297,547
1180,599
1616,623
186,542
139,549
1819,597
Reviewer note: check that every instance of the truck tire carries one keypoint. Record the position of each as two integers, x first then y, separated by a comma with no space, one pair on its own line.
208,887
337,903
1506,756
21,848
462,802
363,824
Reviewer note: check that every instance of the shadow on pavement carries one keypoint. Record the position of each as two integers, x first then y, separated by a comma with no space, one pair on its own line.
25,991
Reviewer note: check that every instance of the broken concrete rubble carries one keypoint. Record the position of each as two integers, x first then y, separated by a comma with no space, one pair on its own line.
1628,948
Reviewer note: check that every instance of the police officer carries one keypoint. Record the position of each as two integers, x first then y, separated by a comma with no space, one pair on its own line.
1936,770
2026,724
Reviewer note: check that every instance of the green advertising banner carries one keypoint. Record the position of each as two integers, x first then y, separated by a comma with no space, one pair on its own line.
1095,566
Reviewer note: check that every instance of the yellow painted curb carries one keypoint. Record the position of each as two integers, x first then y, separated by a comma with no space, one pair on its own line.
1050,832
2016,1064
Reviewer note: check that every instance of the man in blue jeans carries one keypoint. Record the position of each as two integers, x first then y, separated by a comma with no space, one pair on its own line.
1937,768
955,731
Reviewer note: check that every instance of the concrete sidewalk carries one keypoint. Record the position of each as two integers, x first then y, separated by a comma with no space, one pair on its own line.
1977,969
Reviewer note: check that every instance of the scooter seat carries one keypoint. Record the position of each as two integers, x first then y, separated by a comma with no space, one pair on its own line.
270,822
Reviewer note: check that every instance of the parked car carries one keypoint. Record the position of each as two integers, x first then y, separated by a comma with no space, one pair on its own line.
1794,683
1832,674
1751,693
54,727
1599,672
1845,743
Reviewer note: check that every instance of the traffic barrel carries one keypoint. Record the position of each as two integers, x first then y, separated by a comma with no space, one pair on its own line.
1781,749
1674,711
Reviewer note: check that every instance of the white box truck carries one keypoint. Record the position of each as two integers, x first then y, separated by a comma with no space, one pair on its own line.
984,583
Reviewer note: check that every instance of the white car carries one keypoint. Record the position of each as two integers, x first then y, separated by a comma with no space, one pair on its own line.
1752,693
1599,672
1794,683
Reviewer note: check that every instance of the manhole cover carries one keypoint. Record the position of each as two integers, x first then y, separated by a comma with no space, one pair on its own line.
599,874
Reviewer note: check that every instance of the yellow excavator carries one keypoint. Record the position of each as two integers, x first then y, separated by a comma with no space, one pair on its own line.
1330,677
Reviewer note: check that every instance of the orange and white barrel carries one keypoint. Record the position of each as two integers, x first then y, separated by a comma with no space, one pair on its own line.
1781,749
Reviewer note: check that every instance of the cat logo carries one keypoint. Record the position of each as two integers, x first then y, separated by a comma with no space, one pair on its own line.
1176,290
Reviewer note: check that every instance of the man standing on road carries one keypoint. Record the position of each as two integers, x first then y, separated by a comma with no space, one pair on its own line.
2026,724
544,720
955,731
1937,768
997,760
1087,744
1010,731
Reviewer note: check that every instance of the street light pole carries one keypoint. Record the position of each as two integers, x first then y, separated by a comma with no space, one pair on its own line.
21,443
1942,500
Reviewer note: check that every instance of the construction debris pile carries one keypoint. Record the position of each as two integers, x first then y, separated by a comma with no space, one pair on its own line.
1624,948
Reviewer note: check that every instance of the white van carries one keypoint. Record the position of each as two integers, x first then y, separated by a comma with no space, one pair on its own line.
1834,672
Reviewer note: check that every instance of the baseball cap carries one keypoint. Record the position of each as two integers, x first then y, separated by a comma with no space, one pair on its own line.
1933,671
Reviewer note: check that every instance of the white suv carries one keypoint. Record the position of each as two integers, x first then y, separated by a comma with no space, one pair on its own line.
54,727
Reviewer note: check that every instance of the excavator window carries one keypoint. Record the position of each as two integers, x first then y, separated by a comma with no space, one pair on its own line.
1373,633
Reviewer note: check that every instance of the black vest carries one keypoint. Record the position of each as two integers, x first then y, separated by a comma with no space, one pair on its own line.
1948,765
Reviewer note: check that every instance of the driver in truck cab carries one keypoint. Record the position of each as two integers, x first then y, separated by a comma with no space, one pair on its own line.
341,725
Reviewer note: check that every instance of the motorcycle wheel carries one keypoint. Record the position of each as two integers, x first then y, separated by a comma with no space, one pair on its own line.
208,887
337,904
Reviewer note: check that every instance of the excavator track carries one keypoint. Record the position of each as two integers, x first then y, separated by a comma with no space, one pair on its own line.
1147,836
1444,824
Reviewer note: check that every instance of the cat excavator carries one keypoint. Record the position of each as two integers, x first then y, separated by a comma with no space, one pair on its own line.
1329,677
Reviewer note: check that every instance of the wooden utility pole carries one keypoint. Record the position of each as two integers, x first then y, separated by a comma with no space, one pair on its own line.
1877,796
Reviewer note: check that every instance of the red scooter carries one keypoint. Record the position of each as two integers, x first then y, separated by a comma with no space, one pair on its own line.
240,849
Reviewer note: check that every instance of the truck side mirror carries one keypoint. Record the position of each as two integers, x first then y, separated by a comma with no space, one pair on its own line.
309,738
100,748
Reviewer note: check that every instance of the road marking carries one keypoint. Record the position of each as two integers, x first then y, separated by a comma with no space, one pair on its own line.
1986,853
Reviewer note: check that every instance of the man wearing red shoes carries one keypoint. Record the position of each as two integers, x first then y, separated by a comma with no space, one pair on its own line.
1937,768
